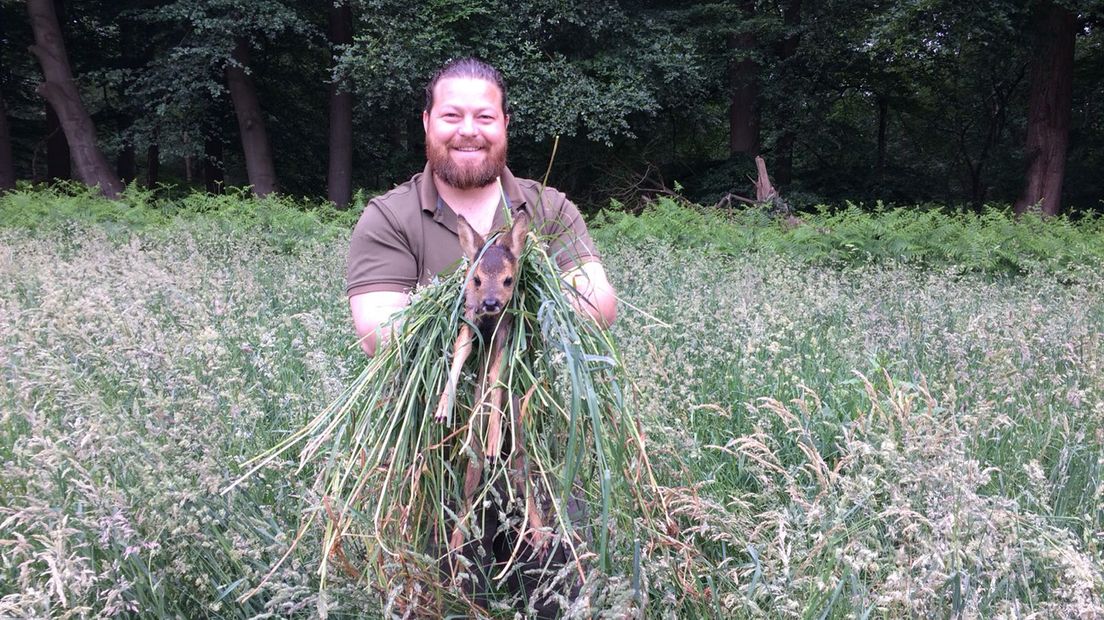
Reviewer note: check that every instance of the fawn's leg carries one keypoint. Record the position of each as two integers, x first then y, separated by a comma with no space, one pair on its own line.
519,475
497,393
460,352
473,475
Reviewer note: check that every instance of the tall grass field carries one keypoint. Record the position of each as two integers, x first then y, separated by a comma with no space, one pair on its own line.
896,414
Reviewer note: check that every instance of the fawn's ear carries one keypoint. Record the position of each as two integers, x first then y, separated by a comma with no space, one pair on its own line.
470,241
518,233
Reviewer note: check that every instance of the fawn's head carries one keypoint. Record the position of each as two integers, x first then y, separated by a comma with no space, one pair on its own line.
492,275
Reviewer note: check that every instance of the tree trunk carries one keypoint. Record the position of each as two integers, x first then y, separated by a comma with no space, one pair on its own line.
783,167
7,162
340,182
743,114
1049,110
153,165
59,166
883,122
258,155
60,91
214,175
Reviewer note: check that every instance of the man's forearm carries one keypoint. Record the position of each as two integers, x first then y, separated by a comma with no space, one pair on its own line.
591,294
373,317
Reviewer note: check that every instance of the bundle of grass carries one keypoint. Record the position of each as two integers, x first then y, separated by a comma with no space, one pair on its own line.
394,504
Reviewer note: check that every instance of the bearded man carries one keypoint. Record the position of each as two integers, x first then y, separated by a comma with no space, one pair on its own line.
408,235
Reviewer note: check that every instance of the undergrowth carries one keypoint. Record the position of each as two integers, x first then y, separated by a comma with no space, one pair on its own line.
281,222
991,242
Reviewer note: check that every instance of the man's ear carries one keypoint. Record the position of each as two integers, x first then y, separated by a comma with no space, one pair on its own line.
518,233
470,241
425,120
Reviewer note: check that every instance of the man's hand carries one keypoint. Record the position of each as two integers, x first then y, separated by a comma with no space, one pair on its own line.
370,311
596,297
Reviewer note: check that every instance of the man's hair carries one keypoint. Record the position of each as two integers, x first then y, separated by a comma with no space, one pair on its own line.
469,67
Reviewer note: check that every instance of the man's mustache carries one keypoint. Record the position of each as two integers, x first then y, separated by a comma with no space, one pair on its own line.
463,144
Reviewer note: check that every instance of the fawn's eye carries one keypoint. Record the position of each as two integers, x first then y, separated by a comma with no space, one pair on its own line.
477,281
508,281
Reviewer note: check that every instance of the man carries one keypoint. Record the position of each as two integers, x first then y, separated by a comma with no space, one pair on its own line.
408,235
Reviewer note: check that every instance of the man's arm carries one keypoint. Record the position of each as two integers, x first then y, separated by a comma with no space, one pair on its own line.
370,311
596,299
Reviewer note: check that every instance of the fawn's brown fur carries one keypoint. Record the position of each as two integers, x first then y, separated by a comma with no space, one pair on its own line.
488,290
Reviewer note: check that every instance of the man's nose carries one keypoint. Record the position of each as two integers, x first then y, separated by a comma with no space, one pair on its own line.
467,125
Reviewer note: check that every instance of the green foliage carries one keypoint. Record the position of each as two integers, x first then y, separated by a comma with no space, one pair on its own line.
907,102
182,84
381,453
992,242
586,68
284,222
50,206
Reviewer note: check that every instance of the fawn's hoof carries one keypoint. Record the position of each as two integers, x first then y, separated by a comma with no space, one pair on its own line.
441,415
538,540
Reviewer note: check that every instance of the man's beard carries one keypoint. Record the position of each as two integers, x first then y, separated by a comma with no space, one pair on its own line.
466,175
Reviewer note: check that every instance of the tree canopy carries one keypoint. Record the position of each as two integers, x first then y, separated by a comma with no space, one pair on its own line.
857,100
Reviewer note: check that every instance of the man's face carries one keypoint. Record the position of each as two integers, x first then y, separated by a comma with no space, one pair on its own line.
466,132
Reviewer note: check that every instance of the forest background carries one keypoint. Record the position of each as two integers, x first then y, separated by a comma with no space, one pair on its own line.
893,407
905,102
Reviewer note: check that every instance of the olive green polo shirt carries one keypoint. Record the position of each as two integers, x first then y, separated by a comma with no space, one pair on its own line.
408,235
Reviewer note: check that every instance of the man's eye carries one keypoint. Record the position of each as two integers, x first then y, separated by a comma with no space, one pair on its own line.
477,281
508,282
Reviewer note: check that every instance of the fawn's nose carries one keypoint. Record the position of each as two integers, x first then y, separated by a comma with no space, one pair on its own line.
491,306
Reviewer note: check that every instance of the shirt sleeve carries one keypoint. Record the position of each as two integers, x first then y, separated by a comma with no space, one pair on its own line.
380,256
569,242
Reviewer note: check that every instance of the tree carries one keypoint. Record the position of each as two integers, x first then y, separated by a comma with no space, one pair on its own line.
593,72
254,136
59,162
60,91
743,109
7,162
1049,108
340,180
208,54
787,49
858,100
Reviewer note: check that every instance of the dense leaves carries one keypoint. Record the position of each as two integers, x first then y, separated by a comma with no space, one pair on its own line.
854,99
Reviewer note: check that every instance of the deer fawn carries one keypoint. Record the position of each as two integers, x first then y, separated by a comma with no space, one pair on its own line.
489,287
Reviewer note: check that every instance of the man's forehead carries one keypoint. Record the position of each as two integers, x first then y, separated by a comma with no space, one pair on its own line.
466,89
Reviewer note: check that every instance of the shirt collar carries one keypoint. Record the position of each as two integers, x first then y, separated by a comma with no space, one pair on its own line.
431,201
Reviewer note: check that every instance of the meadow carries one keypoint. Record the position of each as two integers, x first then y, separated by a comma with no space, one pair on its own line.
837,434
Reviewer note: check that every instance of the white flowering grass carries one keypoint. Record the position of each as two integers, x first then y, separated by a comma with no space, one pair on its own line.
135,374
877,442
883,442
